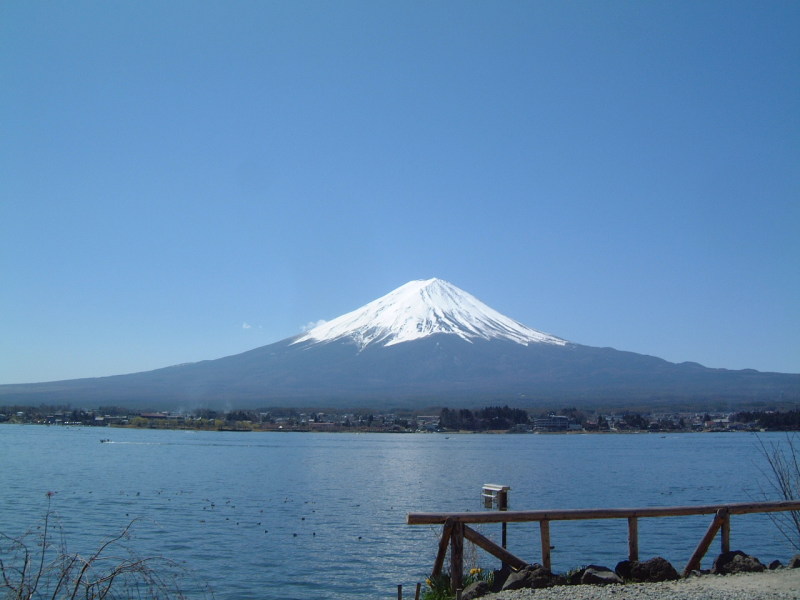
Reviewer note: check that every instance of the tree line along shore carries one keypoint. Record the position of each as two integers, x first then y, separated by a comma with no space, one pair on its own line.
500,419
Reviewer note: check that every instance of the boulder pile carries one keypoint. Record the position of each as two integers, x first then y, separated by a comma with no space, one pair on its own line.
654,570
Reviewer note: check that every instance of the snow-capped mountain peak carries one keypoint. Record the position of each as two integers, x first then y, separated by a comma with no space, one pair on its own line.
422,308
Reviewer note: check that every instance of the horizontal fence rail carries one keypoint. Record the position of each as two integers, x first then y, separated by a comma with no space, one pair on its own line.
456,529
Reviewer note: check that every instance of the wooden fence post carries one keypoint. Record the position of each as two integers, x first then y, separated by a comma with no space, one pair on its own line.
456,556
544,530
633,538
726,533
502,504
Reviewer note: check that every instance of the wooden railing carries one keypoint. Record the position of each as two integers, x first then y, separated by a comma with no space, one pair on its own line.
455,529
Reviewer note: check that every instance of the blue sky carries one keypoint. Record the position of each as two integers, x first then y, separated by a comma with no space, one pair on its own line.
181,181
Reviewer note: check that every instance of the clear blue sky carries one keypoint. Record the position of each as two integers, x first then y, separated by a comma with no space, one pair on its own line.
182,181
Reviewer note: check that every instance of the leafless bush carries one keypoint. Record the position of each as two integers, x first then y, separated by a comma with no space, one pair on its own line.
783,477
34,566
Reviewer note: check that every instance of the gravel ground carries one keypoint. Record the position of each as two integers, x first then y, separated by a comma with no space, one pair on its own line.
782,584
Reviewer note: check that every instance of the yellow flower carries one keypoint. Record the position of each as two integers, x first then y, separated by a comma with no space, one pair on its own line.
428,581
475,571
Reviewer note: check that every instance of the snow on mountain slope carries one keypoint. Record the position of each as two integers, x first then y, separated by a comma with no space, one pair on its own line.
422,308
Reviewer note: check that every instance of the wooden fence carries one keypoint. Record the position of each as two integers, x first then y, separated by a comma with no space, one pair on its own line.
455,529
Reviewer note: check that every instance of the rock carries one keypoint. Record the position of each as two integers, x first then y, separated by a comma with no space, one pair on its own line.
475,590
650,571
775,564
624,568
574,577
519,579
499,577
794,562
595,574
532,577
736,562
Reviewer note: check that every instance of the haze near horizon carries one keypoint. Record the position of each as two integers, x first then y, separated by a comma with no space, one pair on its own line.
185,181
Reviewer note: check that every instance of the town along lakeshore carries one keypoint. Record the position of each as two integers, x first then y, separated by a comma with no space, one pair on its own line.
292,515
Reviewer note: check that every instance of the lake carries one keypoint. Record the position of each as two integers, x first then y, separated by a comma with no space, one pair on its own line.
314,515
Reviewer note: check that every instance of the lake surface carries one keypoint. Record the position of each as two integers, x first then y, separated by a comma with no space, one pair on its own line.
314,515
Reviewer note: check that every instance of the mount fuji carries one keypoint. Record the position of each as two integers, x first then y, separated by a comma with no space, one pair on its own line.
420,309
426,343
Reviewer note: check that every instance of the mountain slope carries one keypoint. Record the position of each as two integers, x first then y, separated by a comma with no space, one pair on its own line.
423,344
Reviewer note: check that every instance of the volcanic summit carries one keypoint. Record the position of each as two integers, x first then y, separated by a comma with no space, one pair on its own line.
420,309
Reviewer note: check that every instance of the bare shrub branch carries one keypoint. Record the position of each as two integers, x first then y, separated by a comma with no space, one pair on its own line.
32,567
783,477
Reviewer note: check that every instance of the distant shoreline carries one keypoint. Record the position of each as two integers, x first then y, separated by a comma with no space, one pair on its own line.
462,432
491,420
